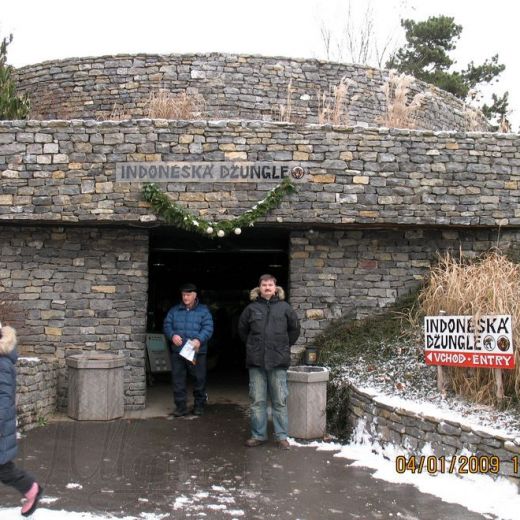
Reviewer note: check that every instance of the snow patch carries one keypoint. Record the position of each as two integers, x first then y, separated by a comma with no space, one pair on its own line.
478,493
50,514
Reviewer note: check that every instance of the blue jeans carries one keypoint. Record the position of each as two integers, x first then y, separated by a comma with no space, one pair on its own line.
263,384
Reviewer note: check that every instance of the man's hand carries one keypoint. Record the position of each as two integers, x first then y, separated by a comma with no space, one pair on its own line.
196,344
177,340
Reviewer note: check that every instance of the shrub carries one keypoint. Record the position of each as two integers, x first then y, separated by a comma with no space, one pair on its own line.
12,105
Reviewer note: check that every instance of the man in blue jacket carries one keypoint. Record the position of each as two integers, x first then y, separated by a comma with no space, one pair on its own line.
189,320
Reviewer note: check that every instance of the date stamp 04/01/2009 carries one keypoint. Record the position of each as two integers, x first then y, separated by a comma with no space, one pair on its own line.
458,464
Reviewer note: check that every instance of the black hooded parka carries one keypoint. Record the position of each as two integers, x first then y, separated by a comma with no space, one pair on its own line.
268,328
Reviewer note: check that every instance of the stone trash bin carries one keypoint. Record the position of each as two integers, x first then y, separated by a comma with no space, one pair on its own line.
307,401
95,386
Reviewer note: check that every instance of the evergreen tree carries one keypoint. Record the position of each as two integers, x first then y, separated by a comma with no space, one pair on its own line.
12,106
426,57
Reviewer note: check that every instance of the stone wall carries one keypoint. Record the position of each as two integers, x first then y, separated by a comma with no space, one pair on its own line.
412,430
64,171
359,272
36,391
234,87
79,289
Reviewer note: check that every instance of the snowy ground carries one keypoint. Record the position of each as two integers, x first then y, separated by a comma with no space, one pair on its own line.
406,376
403,379
48,514
497,499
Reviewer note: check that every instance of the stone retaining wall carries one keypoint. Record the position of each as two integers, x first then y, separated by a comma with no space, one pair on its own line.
234,87
37,391
412,430
359,272
64,171
79,289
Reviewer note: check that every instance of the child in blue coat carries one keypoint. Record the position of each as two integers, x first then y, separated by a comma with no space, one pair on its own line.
9,473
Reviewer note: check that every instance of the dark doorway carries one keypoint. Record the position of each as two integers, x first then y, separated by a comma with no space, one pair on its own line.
225,270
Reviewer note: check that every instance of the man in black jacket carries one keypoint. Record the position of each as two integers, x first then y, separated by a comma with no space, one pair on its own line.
268,326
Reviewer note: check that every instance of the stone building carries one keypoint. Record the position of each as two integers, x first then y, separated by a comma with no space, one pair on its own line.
90,266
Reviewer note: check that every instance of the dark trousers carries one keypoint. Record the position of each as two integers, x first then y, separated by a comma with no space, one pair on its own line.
180,368
15,477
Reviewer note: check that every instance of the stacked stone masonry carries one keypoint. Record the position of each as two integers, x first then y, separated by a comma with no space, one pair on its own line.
364,227
412,431
358,272
79,289
233,86
36,391
64,171
83,289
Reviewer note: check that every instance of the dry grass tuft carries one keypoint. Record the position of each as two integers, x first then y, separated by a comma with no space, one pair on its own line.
504,125
166,105
284,110
490,285
401,111
118,114
331,104
472,120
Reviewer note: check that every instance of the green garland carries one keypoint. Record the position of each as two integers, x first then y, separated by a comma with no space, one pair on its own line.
174,214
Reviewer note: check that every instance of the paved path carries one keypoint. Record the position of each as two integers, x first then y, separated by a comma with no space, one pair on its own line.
198,468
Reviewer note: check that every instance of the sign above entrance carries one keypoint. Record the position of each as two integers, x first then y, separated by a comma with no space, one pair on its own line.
456,341
259,172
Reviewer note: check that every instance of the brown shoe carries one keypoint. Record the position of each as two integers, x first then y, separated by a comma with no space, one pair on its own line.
253,443
283,444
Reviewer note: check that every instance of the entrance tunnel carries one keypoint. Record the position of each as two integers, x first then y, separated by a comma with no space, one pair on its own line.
224,271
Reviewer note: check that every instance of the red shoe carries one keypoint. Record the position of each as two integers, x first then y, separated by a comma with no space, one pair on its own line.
32,497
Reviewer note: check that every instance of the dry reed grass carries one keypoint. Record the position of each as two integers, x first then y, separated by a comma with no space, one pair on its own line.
332,104
472,121
488,286
184,105
284,110
401,110
504,125
118,114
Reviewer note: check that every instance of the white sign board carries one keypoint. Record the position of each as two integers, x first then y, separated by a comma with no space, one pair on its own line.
456,341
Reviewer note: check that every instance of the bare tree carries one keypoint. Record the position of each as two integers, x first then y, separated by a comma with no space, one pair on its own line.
359,40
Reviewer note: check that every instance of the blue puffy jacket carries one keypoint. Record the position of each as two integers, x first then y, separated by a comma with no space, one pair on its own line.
8,357
195,323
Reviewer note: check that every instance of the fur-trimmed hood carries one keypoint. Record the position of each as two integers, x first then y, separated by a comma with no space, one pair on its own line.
8,340
255,293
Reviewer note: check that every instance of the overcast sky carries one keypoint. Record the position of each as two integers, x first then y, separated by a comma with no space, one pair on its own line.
51,29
